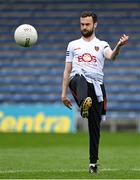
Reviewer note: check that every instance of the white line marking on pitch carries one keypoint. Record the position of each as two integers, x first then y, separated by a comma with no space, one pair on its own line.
62,170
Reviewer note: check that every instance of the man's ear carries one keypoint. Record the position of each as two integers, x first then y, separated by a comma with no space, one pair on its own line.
95,25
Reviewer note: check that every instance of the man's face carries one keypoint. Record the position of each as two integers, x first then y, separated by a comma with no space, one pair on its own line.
87,26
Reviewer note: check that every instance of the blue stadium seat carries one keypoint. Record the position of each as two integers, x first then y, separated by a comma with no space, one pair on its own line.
34,75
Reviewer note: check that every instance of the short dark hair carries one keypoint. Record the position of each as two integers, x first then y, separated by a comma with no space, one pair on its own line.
89,13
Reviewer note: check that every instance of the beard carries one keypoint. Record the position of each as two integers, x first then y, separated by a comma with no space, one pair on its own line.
86,33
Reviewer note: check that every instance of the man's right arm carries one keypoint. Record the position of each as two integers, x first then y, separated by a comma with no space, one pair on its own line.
65,84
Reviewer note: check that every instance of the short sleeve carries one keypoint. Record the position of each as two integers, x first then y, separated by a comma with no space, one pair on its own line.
69,53
105,46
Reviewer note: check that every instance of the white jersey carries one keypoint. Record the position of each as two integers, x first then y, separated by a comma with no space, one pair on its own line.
87,56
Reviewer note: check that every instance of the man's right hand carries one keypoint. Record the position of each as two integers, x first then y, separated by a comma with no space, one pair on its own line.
66,102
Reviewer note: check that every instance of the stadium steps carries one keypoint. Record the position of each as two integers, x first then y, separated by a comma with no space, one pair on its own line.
35,74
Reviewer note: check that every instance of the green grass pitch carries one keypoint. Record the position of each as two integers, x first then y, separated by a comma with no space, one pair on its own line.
52,156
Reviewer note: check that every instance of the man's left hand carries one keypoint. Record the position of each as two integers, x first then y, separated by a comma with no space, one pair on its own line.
123,40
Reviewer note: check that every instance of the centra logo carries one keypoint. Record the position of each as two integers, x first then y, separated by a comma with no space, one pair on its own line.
38,123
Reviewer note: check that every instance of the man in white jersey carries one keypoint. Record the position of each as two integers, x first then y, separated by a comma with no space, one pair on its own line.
83,74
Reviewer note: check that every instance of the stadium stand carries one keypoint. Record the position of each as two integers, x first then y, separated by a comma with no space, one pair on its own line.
34,75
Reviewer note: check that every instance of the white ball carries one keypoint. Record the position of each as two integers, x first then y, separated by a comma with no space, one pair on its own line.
25,35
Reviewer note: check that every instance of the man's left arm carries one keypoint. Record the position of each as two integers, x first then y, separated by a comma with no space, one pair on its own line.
112,54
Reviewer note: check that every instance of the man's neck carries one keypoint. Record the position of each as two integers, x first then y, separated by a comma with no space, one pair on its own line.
88,39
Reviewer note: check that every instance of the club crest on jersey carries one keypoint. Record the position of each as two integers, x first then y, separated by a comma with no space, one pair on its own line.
96,48
87,58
